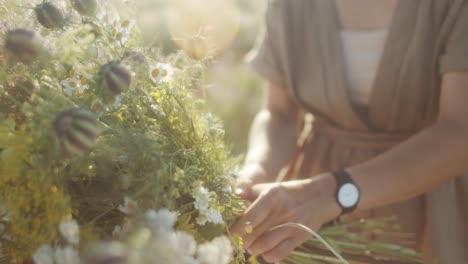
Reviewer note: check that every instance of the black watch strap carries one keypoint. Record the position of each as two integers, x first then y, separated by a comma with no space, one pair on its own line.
342,177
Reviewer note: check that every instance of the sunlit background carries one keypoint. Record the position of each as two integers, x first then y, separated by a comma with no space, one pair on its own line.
224,30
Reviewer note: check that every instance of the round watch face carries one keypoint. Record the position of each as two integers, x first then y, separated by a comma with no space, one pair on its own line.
348,195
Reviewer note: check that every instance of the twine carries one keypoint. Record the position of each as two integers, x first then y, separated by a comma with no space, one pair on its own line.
316,235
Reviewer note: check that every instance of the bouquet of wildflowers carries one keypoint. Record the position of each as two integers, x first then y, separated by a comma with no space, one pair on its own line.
107,157
102,140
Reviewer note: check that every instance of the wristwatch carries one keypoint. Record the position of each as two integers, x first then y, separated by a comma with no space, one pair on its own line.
347,192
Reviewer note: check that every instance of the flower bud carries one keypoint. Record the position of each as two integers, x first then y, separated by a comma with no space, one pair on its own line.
76,130
49,15
23,44
115,77
85,7
136,60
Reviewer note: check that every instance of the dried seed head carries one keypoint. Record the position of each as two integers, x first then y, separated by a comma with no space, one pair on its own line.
136,60
49,15
115,77
85,7
76,130
15,94
23,44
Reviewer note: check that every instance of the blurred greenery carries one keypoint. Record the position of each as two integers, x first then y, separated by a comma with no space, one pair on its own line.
234,91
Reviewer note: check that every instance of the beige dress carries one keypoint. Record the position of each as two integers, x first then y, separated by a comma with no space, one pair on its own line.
301,51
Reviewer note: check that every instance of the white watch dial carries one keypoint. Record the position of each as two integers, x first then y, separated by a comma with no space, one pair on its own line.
348,195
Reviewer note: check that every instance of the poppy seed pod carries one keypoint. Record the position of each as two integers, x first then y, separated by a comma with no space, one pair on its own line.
76,130
85,7
23,44
49,15
136,57
115,77
136,60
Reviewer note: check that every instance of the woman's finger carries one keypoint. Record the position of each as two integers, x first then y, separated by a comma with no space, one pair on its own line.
244,191
276,217
253,217
258,189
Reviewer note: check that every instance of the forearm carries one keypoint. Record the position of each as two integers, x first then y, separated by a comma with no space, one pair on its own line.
417,165
272,141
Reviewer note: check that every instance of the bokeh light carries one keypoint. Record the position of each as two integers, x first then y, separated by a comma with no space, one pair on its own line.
203,28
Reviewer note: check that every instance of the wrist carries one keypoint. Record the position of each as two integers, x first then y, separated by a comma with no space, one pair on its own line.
325,186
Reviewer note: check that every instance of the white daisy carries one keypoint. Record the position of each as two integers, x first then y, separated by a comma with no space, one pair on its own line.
67,255
206,212
202,198
217,251
70,231
121,31
73,83
161,73
44,255
213,216
162,219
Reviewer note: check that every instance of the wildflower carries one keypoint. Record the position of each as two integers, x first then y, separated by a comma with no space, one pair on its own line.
161,73
206,212
162,219
70,231
230,179
121,31
129,206
44,255
217,251
202,198
73,83
67,255
213,216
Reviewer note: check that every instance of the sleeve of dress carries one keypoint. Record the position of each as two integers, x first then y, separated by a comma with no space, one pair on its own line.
265,59
455,58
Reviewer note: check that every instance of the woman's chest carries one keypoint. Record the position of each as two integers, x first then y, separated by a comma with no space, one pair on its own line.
357,15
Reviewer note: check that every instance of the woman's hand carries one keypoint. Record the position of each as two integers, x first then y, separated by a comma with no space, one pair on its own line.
309,202
250,175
